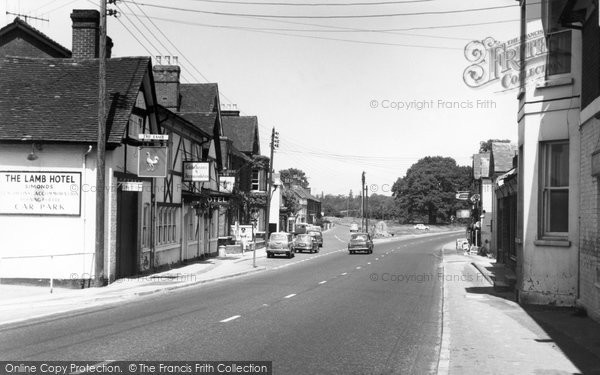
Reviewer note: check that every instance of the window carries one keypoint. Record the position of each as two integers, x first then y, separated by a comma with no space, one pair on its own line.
146,226
555,189
558,38
255,180
166,225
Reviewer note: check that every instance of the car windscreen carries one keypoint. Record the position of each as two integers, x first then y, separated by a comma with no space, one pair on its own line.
302,237
359,237
279,237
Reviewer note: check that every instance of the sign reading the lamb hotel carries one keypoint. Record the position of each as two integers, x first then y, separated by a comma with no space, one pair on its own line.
40,193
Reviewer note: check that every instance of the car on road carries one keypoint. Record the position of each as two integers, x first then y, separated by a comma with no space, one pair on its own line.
353,228
360,242
305,242
280,243
421,227
317,236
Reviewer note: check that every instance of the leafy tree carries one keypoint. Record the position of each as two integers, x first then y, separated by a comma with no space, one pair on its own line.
428,191
290,202
292,176
486,146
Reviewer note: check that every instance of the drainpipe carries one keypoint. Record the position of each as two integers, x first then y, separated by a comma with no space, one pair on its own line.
84,209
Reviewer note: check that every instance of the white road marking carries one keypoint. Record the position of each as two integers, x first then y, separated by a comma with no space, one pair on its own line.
368,262
290,295
230,319
376,258
345,273
358,267
323,282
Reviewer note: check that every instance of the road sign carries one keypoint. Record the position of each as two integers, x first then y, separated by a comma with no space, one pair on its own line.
475,198
154,137
462,195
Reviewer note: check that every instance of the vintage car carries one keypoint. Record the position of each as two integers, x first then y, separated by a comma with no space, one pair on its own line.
360,242
353,228
305,242
280,243
317,236
421,227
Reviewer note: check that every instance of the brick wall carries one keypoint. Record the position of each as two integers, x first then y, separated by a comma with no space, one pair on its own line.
166,83
86,33
588,235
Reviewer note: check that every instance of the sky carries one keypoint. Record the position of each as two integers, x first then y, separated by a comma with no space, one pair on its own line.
347,93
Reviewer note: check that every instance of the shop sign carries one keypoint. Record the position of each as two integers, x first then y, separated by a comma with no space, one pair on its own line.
132,186
194,171
152,162
40,193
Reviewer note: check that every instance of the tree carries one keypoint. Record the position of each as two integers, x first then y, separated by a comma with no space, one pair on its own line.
486,146
428,191
293,176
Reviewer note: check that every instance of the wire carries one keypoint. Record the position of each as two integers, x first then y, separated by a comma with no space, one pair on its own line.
327,16
172,44
333,29
314,4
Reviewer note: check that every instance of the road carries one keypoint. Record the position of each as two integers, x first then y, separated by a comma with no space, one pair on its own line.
325,313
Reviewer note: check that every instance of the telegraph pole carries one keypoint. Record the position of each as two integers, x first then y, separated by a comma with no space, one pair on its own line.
274,144
101,149
362,203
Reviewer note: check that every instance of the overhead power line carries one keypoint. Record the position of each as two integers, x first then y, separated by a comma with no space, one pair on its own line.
337,16
314,4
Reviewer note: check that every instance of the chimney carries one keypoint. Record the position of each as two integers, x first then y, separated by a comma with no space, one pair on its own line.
86,33
166,83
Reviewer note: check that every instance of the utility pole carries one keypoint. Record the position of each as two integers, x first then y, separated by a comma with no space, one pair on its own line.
274,144
101,149
362,203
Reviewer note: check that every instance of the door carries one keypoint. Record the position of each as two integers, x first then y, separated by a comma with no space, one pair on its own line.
127,233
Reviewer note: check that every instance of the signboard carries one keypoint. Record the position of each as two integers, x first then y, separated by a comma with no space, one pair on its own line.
195,171
132,186
475,198
462,195
40,193
152,162
154,137
226,184
463,214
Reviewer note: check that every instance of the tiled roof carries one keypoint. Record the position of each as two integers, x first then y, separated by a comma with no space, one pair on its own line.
56,99
502,156
204,121
198,97
481,166
243,131
11,29
303,193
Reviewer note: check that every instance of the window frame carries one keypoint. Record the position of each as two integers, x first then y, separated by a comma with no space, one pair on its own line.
545,189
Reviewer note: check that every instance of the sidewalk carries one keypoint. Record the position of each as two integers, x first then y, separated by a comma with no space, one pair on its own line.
486,332
20,303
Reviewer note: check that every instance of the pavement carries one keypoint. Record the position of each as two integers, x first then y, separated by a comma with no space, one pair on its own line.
20,303
486,332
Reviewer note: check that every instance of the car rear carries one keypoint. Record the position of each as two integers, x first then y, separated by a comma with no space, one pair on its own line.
359,242
279,243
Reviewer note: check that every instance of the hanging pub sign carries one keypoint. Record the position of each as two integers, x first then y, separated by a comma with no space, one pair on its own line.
40,193
226,184
195,171
152,162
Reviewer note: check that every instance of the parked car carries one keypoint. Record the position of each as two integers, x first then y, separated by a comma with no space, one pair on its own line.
318,237
360,242
305,242
280,243
421,227
353,228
